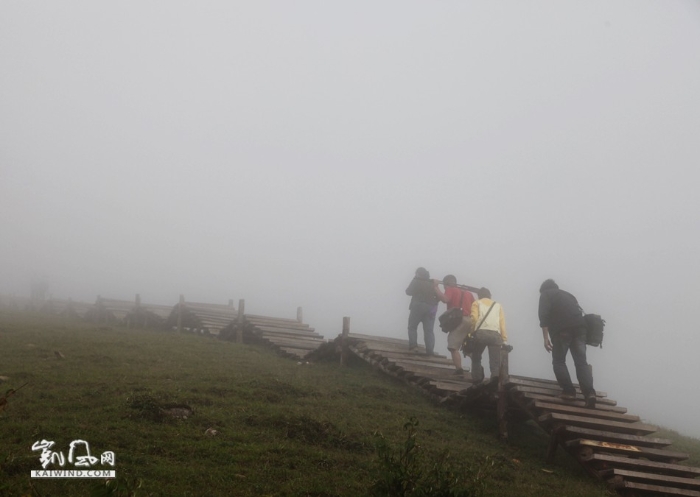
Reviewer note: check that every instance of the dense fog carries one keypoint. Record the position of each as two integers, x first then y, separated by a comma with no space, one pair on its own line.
315,154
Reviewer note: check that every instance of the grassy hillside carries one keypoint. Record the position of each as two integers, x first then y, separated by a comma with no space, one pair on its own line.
281,428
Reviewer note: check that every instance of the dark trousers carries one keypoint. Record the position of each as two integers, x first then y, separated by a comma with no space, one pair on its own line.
422,312
573,339
483,339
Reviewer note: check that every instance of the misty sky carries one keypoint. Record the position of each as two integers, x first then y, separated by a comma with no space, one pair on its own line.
315,153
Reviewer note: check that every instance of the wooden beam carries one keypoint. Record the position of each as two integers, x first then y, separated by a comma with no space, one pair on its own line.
659,479
576,403
660,489
344,341
609,436
556,389
611,461
633,428
593,446
554,395
585,411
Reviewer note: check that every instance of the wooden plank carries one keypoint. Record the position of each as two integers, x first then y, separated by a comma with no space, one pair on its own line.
204,305
609,460
411,357
586,411
386,347
514,380
375,338
289,325
289,336
414,365
660,489
633,428
295,345
215,323
268,318
429,362
577,403
608,436
675,481
554,394
288,331
663,455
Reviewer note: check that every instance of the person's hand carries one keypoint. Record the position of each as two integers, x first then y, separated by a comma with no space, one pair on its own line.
547,344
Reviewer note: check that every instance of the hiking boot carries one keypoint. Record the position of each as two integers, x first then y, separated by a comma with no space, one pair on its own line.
568,396
590,401
459,372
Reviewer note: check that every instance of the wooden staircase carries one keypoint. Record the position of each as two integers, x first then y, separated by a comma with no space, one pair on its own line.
609,443
288,337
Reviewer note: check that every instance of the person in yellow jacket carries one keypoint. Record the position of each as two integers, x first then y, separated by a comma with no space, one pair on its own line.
490,331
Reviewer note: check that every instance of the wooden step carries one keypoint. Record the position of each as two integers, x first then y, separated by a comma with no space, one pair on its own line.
577,403
547,385
258,317
675,481
282,334
584,411
555,394
609,436
586,448
603,461
298,344
285,325
659,489
374,338
568,419
287,331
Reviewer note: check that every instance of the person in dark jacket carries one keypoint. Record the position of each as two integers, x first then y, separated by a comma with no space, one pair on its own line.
422,309
562,321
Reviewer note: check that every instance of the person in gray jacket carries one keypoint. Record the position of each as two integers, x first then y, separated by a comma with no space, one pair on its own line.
423,307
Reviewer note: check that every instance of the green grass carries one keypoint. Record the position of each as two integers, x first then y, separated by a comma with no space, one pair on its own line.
283,428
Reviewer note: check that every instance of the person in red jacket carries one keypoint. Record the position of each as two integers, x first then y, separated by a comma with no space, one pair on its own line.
456,297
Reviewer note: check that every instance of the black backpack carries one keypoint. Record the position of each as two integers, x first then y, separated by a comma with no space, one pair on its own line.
594,330
451,319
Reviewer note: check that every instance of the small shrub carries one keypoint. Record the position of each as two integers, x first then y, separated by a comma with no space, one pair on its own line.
411,472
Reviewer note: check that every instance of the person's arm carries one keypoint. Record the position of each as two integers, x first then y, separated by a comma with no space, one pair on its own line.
475,313
411,287
547,342
441,296
543,311
502,323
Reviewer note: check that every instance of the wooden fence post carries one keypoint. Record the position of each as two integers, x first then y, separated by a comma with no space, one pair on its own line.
300,315
344,342
180,305
502,405
239,325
